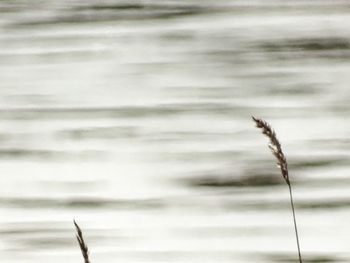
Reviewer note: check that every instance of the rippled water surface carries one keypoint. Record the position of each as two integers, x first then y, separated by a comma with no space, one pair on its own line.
134,118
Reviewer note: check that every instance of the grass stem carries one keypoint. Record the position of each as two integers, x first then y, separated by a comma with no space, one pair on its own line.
295,221
276,149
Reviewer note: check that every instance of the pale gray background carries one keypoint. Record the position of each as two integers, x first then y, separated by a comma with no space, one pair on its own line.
134,118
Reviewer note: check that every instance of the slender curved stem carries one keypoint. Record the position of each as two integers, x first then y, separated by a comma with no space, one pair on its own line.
295,221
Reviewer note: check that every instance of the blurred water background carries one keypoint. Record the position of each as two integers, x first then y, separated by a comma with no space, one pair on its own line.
133,117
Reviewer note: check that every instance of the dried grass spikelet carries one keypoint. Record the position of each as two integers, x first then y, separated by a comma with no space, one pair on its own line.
275,147
83,247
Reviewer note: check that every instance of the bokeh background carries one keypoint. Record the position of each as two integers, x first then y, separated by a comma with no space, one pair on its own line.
134,118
